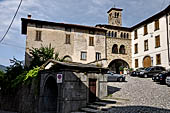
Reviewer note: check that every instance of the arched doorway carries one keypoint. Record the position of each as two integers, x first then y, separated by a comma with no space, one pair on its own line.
147,61
116,64
49,101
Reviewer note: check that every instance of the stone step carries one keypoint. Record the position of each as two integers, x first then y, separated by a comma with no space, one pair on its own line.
100,103
90,110
79,112
97,107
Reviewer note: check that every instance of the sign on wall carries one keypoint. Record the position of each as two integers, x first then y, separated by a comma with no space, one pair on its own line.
59,78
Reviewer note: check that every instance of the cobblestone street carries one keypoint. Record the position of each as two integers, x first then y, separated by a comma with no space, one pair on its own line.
139,95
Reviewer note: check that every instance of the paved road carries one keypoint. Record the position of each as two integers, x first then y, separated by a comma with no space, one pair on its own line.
139,95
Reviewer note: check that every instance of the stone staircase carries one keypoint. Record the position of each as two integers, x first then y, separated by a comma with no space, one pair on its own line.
101,106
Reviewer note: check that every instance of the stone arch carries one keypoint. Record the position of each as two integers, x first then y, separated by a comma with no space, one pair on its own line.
147,62
50,94
116,64
122,49
115,48
67,58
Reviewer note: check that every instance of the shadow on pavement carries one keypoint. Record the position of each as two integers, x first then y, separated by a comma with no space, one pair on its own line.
137,109
112,90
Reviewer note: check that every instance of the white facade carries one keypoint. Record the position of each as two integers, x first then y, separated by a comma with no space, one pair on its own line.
152,49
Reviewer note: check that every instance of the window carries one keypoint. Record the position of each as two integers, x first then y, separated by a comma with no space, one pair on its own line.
136,34
122,49
91,32
127,35
136,48
145,30
136,63
68,29
157,41
38,36
109,34
112,34
115,34
91,41
124,35
156,24
145,45
121,35
98,56
158,59
67,39
83,55
115,49
38,26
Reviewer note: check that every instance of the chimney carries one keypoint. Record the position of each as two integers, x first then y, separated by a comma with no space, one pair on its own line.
29,16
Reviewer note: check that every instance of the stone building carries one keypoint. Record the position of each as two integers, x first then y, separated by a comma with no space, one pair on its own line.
78,43
118,40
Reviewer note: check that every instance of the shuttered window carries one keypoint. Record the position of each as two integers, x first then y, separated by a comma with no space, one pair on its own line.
158,59
136,63
156,24
157,41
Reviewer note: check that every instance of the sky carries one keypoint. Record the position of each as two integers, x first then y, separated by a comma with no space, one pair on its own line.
84,12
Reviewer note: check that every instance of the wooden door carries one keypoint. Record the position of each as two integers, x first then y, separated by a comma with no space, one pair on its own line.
147,61
92,90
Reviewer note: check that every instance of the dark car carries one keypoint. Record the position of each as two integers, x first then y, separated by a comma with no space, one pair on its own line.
156,77
162,76
136,73
149,72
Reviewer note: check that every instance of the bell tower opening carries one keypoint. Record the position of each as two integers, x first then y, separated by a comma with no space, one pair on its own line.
115,17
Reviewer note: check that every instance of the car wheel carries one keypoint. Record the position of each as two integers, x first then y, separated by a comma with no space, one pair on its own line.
120,79
145,75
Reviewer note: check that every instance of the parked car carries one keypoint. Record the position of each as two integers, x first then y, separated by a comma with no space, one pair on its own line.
168,80
136,72
112,77
155,77
149,72
161,77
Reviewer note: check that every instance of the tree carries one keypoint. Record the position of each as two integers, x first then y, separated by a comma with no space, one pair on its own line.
42,54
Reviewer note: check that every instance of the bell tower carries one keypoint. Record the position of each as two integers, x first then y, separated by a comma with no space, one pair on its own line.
115,17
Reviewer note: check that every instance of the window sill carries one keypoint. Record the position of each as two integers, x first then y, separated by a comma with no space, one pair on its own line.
146,50
38,40
156,29
145,34
83,59
158,47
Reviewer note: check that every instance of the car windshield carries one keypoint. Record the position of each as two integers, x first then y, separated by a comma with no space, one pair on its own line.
148,69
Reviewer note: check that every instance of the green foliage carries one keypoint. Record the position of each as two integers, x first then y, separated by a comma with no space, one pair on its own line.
121,68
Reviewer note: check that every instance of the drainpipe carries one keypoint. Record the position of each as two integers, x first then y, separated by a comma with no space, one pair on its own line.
167,37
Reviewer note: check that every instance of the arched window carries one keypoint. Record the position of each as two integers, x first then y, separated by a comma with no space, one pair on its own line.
115,15
109,34
115,34
122,49
127,35
115,49
112,34
124,35
121,35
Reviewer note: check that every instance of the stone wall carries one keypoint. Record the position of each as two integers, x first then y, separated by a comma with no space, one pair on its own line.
79,41
119,41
